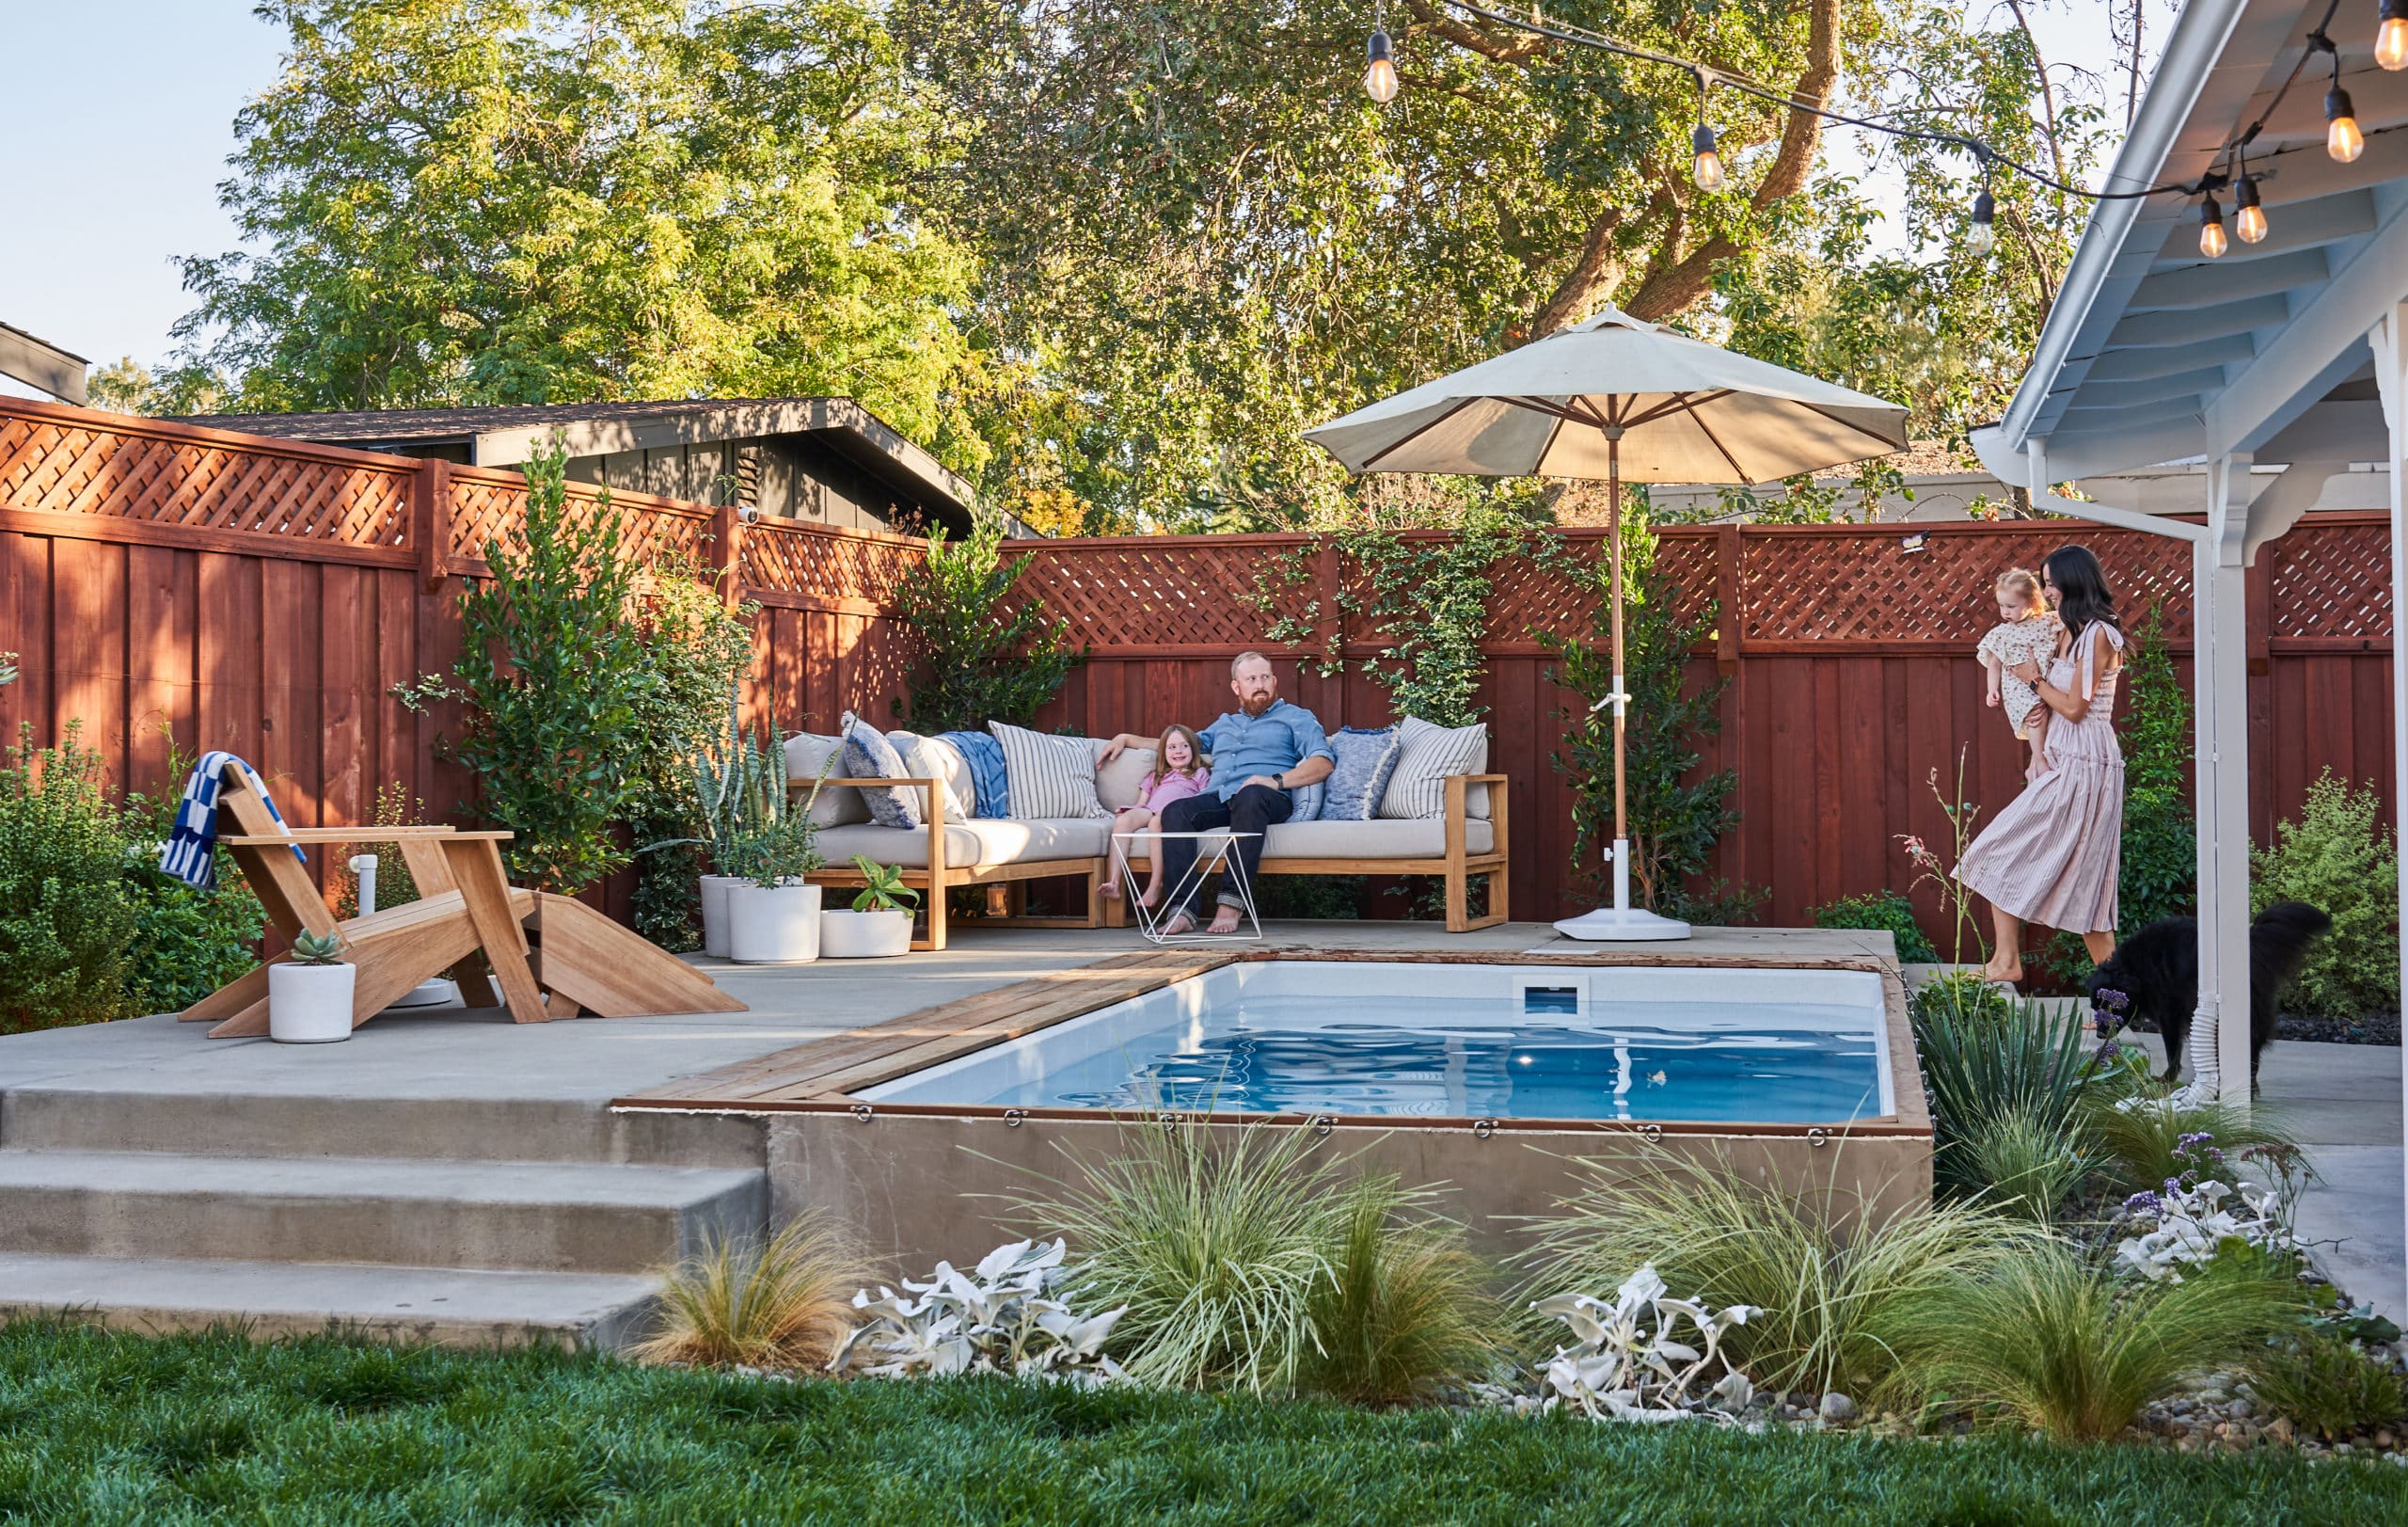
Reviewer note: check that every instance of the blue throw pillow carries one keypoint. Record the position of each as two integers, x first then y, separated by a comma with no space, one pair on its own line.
1307,801
869,755
1365,761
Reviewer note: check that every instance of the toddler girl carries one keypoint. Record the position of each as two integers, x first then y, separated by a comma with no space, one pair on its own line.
1179,770
2027,630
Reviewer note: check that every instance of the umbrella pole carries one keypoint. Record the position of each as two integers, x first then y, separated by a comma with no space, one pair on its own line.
1620,697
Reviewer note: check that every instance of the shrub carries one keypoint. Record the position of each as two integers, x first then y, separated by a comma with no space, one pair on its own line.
1827,1274
2337,857
2030,1167
2328,1385
555,677
1881,911
1984,1059
65,921
1219,1251
394,807
1963,995
1405,1311
187,942
782,1302
982,662
698,650
2048,1343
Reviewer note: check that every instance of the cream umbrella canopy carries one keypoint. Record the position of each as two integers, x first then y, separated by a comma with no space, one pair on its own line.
1612,398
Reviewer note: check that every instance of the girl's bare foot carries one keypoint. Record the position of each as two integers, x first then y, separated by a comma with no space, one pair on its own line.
1110,891
1154,897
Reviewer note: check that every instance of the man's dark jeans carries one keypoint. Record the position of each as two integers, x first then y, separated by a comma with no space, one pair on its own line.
1253,809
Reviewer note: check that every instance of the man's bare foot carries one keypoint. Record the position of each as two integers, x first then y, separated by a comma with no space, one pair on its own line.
1226,920
1179,923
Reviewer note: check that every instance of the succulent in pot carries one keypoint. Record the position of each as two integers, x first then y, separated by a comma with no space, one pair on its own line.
772,915
878,926
309,995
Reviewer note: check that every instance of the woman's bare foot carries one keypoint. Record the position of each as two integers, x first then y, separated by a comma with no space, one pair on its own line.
2001,968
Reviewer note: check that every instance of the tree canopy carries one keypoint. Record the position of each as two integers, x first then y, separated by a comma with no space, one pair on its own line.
1109,258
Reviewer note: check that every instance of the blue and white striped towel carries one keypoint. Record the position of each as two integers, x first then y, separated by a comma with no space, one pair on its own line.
191,850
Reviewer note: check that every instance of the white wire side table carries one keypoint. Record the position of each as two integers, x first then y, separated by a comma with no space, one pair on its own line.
1209,859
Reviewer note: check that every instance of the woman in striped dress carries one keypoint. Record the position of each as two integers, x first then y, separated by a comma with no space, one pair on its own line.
2053,856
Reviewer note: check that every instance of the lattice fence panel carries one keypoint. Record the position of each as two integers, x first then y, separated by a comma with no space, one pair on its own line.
650,531
72,469
1200,592
2333,580
1867,586
483,511
794,559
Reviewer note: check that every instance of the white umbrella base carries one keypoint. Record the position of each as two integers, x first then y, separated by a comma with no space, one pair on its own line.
1621,924
432,993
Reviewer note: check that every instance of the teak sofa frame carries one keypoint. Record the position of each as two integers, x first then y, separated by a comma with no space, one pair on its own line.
1457,865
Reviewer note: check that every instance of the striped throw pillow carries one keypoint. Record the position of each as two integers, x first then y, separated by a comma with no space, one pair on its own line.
1047,776
1418,790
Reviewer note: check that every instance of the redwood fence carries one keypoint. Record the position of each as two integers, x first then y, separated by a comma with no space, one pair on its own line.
263,595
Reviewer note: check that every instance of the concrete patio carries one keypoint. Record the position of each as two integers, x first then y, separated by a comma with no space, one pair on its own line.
448,1175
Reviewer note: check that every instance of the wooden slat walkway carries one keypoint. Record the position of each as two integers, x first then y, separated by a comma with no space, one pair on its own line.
827,1069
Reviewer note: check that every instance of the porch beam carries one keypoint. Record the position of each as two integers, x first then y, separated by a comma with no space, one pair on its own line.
2220,668
2389,340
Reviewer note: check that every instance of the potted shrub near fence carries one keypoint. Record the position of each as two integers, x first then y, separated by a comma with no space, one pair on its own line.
309,996
772,915
878,927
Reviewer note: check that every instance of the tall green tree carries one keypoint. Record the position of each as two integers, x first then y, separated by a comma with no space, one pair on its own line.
553,201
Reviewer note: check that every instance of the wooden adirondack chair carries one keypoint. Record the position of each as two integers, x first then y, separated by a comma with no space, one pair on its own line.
468,915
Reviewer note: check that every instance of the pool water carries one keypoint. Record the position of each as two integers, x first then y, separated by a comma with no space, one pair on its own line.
1569,1047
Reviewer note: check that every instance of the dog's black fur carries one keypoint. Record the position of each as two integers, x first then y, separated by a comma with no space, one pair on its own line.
2158,969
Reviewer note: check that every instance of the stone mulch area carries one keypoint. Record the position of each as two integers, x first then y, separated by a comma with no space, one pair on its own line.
2374,1028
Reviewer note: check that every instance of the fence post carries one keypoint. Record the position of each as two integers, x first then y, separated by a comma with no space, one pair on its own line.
431,522
727,554
1728,617
1329,634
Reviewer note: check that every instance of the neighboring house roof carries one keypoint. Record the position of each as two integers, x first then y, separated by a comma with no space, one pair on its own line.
37,362
505,435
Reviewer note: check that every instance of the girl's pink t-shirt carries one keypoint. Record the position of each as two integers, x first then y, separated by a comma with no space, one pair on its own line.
1174,787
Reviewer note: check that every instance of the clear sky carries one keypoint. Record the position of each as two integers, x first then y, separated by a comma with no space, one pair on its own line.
119,117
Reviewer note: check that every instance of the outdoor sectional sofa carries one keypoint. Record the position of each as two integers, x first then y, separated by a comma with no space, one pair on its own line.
947,849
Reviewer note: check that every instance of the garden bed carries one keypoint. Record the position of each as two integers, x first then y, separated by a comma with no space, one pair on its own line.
117,1427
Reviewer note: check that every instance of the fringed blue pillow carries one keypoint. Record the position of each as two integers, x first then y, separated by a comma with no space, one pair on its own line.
1365,761
869,755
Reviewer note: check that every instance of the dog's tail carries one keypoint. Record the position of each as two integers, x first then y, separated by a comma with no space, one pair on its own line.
2283,934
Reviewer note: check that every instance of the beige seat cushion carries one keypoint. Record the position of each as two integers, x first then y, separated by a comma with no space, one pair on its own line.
968,844
1422,839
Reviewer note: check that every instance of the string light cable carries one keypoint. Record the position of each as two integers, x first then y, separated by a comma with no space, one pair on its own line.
2343,141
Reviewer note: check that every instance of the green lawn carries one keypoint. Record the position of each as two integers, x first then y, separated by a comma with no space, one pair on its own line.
100,1428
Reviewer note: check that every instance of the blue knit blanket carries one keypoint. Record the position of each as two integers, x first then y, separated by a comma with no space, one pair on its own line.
985,757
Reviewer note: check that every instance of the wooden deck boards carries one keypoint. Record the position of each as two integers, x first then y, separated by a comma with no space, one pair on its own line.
831,1068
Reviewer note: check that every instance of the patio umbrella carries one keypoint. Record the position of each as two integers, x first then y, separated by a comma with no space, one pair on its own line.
1611,398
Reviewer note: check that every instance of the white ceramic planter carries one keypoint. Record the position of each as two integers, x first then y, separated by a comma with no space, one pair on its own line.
715,889
308,1003
846,934
773,925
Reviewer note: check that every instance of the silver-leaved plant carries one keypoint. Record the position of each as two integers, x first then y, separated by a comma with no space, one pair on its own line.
2185,1225
1629,1361
1001,1318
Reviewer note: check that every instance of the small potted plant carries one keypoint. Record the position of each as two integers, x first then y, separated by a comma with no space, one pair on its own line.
880,925
309,996
740,786
772,915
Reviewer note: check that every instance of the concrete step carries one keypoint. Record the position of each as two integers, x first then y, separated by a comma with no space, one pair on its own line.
518,1216
442,1306
37,1116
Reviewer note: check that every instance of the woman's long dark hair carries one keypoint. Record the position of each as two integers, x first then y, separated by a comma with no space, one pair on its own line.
2082,588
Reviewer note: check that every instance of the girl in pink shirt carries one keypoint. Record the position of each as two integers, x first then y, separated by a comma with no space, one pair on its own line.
1179,770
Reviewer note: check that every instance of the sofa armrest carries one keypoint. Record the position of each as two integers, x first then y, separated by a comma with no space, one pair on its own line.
1459,812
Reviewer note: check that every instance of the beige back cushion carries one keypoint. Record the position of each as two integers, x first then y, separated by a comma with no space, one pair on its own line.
810,755
1121,783
931,758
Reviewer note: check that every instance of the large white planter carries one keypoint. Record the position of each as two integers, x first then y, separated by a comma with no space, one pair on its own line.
715,889
846,934
773,925
308,1003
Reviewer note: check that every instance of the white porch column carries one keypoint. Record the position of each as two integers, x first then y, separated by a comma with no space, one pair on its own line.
2389,342
2219,1045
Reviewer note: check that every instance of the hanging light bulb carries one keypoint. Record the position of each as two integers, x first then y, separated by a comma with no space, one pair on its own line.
2211,241
1708,166
2391,38
2342,139
1980,238
2249,219
1379,80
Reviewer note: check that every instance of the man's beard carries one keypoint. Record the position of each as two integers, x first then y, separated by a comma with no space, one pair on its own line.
1254,705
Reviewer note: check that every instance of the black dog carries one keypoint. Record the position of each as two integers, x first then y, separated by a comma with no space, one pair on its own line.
2158,969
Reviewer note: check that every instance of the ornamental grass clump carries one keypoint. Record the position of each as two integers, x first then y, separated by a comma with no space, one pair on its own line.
1405,1311
2141,1140
2328,1385
1826,1272
783,1302
2031,1166
2046,1342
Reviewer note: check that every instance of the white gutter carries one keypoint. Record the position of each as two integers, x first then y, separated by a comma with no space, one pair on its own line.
2029,468
2191,54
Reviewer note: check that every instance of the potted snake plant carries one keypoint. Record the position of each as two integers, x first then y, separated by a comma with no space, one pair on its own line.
739,789
773,913
309,996
878,927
